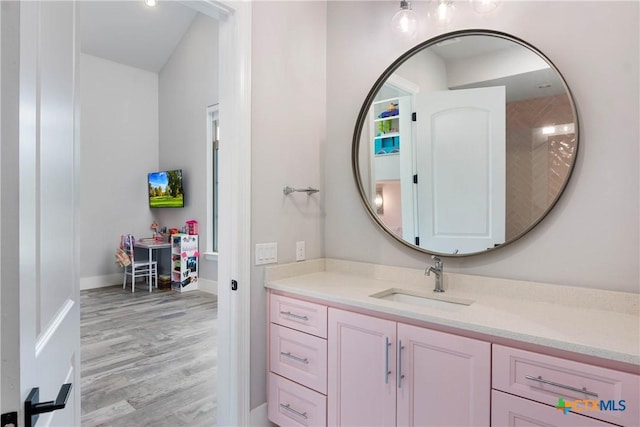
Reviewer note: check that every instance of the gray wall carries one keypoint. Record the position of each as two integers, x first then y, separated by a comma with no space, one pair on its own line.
188,83
288,139
119,146
591,238
134,122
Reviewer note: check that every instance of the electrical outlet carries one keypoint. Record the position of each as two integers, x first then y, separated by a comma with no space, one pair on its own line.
300,251
266,253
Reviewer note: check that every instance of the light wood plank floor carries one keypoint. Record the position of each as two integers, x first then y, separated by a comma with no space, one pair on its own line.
148,359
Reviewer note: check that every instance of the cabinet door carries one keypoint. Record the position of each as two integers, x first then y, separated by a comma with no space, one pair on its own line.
361,370
512,411
445,379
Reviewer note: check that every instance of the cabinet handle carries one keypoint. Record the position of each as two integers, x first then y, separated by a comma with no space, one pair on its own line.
566,387
295,316
400,374
387,344
296,358
287,407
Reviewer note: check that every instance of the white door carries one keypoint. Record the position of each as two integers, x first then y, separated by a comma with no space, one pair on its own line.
40,285
461,169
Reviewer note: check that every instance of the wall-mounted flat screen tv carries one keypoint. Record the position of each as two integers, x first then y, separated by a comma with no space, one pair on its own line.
165,189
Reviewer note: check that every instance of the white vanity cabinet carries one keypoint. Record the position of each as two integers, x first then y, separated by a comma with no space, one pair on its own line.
386,373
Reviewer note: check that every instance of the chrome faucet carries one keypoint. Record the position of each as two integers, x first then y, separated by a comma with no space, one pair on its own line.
437,270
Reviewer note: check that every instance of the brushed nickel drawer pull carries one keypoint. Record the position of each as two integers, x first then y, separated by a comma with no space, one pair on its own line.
566,387
296,358
293,411
400,374
387,344
295,316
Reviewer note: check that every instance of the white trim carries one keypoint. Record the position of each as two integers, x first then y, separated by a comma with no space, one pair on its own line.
93,282
403,84
234,240
258,417
211,256
52,327
234,261
108,280
208,286
214,9
212,110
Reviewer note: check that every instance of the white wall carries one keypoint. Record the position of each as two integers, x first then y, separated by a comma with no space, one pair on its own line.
119,146
288,139
591,238
188,83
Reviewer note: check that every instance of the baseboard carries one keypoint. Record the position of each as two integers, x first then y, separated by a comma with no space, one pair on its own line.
258,417
206,285
93,282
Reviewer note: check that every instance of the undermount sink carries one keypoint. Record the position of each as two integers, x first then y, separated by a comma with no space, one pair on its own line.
415,298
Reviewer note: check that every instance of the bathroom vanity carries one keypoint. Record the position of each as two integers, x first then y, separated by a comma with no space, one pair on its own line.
497,352
486,157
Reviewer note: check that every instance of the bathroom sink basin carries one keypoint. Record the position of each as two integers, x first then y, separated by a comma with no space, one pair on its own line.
440,302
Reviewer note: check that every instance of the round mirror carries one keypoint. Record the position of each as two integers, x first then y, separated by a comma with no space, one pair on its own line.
465,143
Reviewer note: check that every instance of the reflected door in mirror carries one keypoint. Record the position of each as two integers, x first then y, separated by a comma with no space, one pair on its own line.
461,169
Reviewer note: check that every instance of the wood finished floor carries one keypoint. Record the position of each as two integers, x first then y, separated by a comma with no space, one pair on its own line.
148,359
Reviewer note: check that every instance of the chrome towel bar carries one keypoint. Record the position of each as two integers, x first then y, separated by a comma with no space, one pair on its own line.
288,190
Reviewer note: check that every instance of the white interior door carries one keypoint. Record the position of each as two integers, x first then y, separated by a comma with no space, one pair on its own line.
461,169
41,343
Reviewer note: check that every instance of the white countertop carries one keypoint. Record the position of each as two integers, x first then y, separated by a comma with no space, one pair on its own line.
593,322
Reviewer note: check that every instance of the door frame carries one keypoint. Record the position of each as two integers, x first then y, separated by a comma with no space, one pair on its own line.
233,330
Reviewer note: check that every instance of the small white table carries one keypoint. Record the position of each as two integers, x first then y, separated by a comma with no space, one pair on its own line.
153,245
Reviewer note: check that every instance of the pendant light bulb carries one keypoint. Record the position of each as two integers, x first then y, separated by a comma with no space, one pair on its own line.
404,22
440,12
151,3
484,6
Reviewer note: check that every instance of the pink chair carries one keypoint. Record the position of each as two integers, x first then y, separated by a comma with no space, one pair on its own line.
137,268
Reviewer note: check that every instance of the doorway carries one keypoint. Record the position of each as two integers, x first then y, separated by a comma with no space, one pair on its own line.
234,47
235,43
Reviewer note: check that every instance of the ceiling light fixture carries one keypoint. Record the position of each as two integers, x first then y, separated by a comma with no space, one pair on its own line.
440,12
484,6
151,3
404,22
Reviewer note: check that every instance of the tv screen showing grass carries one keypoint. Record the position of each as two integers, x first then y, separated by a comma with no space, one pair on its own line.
165,189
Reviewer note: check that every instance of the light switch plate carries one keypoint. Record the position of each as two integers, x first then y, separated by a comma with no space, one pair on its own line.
266,253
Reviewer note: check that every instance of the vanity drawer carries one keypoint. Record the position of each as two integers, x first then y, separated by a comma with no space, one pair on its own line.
300,315
298,356
512,411
545,379
291,404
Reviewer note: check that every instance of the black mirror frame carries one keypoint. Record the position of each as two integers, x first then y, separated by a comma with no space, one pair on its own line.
362,116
